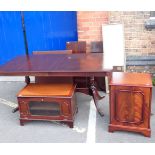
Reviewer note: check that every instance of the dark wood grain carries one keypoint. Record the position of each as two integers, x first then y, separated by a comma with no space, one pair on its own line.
76,46
40,79
130,102
53,52
56,65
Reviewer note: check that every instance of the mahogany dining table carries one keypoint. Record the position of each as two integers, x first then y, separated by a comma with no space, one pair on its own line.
59,65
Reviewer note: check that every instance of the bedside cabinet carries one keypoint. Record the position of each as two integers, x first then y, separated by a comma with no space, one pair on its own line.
130,102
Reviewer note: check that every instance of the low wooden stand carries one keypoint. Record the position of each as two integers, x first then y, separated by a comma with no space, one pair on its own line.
130,102
50,102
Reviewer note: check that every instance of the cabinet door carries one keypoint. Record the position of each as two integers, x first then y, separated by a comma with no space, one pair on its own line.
44,108
129,106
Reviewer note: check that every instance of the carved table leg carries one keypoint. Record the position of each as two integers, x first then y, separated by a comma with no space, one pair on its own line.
95,95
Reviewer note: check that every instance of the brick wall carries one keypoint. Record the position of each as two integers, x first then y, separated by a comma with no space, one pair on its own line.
90,26
138,40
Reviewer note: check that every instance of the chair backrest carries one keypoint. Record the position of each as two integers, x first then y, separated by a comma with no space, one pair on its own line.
118,69
97,47
52,52
76,46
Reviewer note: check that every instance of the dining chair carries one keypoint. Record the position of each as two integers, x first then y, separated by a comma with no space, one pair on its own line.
97,47
52,52
76,46
79,47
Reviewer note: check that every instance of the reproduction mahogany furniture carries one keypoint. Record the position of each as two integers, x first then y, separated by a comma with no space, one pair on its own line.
59,65
53,52
76,46
50,102
130,102
42,79
96,47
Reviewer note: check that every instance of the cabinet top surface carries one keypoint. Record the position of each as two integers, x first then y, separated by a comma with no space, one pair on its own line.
131,79
55,89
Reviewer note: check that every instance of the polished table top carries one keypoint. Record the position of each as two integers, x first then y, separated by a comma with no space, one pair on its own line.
62,65
56,65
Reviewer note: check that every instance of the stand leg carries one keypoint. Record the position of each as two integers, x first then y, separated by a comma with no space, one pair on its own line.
27,79
15,109
21,123
70,124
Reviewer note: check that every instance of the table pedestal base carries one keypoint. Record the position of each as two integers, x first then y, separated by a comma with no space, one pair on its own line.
92,90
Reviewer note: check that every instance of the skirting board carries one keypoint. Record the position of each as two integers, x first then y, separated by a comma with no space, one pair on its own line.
14,78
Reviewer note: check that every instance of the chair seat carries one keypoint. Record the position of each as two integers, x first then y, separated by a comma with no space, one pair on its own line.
46,89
